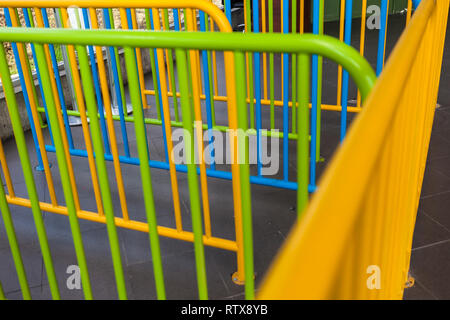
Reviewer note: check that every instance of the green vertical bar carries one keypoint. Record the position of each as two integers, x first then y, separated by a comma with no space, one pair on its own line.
2,294
211,88
319,82
97,141
172,74
194,195
27,172
27,63
41,122
271,70
30,14
13,244
294,70
146,179
153,67
303,132
244,173
64,170
250,68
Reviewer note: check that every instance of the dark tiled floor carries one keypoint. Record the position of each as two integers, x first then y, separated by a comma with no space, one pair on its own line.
273,216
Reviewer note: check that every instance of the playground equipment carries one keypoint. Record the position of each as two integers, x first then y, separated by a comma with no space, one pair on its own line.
94,96
263,94
362,219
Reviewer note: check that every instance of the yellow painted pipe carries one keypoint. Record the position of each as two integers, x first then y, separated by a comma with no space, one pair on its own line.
33,106
84,123
40,23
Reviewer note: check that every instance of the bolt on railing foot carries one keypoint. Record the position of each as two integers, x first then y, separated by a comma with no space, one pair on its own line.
41,167
410,282
237,280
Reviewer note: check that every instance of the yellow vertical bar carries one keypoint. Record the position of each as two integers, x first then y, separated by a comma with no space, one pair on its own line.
33,107
214,63
110,123
246,54
84,123
302,16
197,53
139,62
169,76
409,13
237,200
193,55
40,23
167,126
163,60
362,41
6,172
263,25
341,37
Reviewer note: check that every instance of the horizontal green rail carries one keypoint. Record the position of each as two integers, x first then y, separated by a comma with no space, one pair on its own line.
301,46
326,46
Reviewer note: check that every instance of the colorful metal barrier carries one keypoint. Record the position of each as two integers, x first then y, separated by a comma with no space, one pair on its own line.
260,69
260,16
186,45
354,239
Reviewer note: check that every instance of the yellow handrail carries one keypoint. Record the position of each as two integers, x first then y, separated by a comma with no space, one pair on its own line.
354,240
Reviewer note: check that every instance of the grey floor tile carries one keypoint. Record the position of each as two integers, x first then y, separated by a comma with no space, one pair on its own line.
37,293
441,164
136,246
439,146
431,267
32,261
180,280
99,263
436,207
434,182
427,231
417,292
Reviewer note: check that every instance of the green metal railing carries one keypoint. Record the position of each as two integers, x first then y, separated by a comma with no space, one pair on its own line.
235,47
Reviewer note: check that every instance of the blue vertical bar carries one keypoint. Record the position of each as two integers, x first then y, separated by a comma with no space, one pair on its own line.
257,88
345,76
163,127
228,10
382,36
314,98
285,95
58,84
117,89
98,92
33,51
40,166
207,92
176,20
